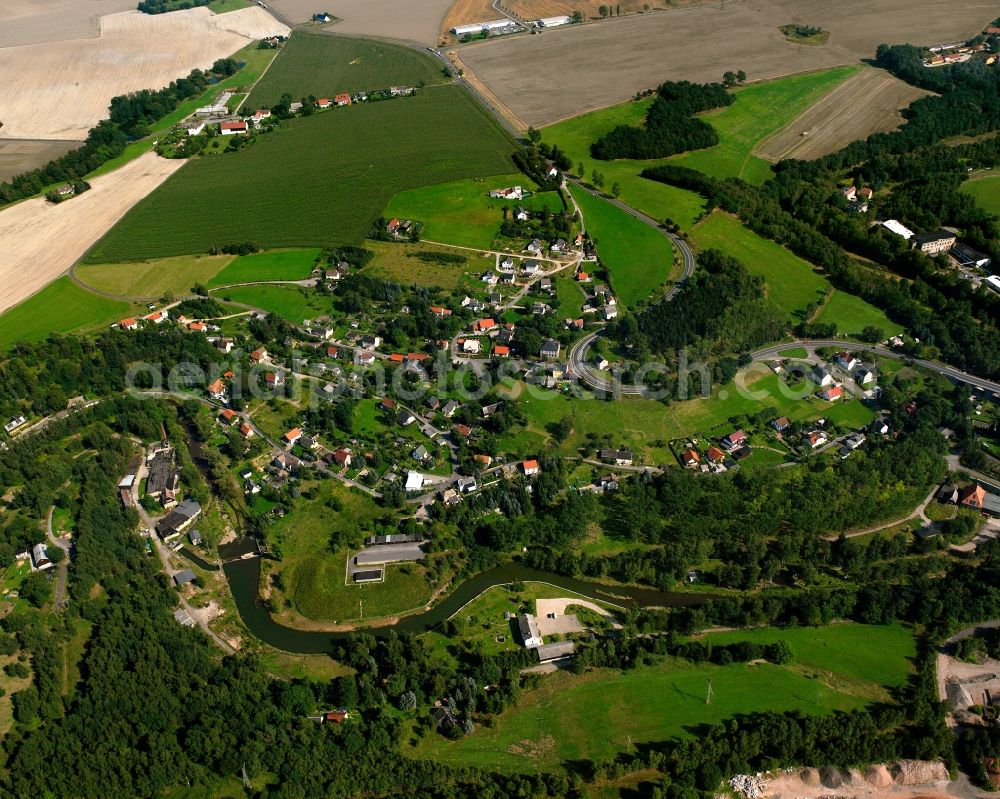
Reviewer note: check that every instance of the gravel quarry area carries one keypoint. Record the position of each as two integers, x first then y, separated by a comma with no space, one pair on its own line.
901,779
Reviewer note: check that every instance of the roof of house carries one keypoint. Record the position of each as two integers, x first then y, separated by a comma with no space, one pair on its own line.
184,576
293,434
530,464
691,456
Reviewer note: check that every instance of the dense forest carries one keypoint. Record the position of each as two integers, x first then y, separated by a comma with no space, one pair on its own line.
129,119
670,125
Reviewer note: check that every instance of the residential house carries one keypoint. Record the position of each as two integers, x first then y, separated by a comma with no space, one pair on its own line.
414,481
489,410
483,461
195,537
433,403
259,116
530,467
535,247
129,324
583,277
531,267
421,454
832,393
233,128
507,263
274,379
183,577
528,630
178,520
405,418
364,358
948,493
863,375
540,308
439,311
609,312
387,404
559,245
715,455
342,99
879,428
449,409
619,457
975,496
450,497
259,356
292,436
574,324
225,345
342,457
846,361
510,193
780,425
690,458
228,416
198,327
545,284
501,351
370,342
484,325
157,317
195,128
216,389
495,299
466,485
734,440
463,431
40,560
550,350
815,438
471,346
822,377
490,278
521,214
323,102
283,462
600,361
246,430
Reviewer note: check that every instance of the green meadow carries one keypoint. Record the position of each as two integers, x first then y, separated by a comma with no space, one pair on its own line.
986,190
289,302
851,315
274,265
639,258
293,188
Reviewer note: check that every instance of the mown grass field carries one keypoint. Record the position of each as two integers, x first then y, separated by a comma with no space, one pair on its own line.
851,315
460,212
400,263
760,110
986,190
152,278
289,302
316,181
604,712
639,258
61,307
276,265
313,575
322,66
791,282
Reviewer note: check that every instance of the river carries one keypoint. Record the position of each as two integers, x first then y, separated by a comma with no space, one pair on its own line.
244,579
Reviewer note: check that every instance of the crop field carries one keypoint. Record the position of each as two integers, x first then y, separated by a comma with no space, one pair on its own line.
18,156
60,307
321,65
605,712
574,137
293,189
386,19
851,315
598,65
35,21
59,90
461,212
152,278
275,265
868,102
400,263
791,282
638,257
291,303
759,110
986,190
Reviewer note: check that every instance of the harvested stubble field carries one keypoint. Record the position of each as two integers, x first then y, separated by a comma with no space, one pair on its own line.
34,21
20,155
604,63
59,90
40,240
321,65
869,102
317,181
390,19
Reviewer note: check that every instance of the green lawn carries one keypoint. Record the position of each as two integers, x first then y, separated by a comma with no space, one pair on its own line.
851,315
322,66
986,190
460,212
605,712
275,265
289,302
760,110
791,282
152,278
225,6
313,576
60,307
638,257
295,188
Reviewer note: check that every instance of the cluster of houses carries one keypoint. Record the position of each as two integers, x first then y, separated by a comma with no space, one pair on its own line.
971,496
400,228
942,55
937,242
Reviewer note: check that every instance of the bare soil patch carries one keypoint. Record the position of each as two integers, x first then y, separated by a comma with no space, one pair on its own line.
41,240
35,21
869,102
577,68
59,90
408,20
21,155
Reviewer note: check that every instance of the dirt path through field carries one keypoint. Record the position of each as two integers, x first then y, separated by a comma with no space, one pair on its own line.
41,240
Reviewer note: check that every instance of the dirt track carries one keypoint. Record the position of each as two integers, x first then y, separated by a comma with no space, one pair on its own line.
59,90
579,68
40,240
866,103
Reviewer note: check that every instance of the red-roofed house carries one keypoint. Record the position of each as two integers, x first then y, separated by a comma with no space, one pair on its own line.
228,415
715,455
342,457
323,102
343,99
198,327
530,467
500,351
216,390
246,430
393,225
396,357
583,277
463,430
293,435
388,404
332,352
273,380
484,325
258,356
156,317
832,393
735,439
232,128
128,324
439,311
690,458
417,357
483,460
972,496
336,716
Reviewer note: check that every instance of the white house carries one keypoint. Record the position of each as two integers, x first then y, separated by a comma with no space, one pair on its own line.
822,377
14,423
40,558
471,346
194,128
846,360
528,628
414,481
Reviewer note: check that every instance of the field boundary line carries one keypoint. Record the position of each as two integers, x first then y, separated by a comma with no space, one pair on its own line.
262,74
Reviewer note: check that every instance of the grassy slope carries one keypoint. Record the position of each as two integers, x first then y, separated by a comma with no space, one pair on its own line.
791,282
986,190
277,265
852,314
323,66
61,307
605,712
292,188
638,257
289,302
152,278
398,262
460,212
758,111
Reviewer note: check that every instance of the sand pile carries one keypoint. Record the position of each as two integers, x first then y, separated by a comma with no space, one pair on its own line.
809,776
916,772
831,777
878,775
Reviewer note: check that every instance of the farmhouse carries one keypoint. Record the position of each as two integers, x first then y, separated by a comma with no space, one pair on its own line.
510,193
555,651
342,99
232,128
619,457
259,116
195,128
940,240
40,560
528,629
975,496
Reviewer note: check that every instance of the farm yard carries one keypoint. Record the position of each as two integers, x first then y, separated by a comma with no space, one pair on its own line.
59,90
461,212
60,307
598,65
638,257
759,110
322,66
42,240
868,102
791,282
292,189
568,718
387,19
